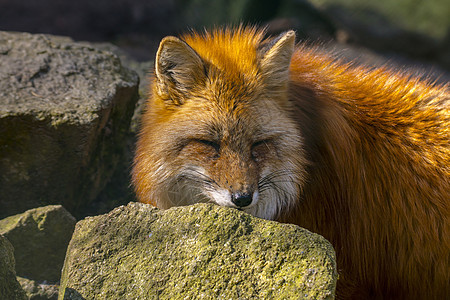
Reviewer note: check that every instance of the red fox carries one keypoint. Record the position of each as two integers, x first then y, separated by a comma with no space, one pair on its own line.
359,155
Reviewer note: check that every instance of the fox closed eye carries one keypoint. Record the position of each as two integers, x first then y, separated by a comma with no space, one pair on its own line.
208,143
260,149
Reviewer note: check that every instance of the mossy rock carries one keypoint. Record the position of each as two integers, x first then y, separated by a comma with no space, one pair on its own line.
196,252
40,237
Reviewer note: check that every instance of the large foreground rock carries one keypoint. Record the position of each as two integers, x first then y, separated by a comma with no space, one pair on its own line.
197,252
64,111
9,286
40,238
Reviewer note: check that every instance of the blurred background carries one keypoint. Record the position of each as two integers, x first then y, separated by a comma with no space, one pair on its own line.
406,31
412,34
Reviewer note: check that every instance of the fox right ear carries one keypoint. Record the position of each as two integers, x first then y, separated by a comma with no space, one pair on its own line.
277,57
178,68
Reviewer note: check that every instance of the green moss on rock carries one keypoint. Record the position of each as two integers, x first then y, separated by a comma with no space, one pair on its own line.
201,251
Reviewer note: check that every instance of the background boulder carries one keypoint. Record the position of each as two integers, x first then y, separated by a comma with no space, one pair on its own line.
65,110
40,238
200,251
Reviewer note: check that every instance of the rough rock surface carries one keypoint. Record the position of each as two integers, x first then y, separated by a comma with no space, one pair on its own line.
64,111
9,286
40,238
196,252
36,291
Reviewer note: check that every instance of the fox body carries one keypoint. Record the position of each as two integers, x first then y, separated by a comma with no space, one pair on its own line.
360,155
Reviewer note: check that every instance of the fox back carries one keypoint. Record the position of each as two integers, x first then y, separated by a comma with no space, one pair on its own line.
360,155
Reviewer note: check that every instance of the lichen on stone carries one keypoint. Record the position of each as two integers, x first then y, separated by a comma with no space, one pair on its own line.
201,251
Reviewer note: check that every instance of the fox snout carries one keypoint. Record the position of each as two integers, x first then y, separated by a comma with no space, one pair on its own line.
239,199
242,199
239,184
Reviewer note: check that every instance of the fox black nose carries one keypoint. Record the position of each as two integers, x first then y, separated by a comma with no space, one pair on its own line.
241,199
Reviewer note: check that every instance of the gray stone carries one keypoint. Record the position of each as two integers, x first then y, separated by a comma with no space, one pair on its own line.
64,111
202,251
40,237
9,286
118,191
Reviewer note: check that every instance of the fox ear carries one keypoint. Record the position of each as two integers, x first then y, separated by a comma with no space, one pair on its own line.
178,68
276,58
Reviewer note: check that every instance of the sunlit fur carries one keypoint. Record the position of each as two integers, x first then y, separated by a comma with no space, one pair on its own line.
360,155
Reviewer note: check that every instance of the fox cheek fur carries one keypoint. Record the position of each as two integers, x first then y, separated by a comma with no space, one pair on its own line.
212,135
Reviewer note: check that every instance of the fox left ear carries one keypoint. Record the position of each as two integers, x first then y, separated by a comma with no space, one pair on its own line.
178,68
276,58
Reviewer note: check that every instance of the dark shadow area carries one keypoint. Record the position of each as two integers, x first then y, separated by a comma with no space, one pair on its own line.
72,294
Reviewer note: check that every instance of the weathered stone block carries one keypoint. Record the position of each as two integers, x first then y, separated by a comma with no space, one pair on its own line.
196,252
40,237
64,111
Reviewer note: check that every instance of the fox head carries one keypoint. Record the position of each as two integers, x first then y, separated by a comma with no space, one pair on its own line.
218,128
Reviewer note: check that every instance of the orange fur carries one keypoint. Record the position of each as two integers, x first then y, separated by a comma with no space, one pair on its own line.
366,151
